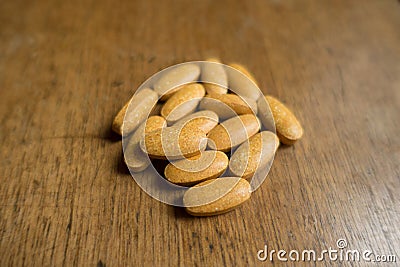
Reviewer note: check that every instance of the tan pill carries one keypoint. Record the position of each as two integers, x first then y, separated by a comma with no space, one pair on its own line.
254,154
210,164
174,142
214,77
265,114
240,84
140,106
230,105
288,128
233,132
206,120
183,102
151,124
135,158
216,196
171,81
155,122
222,110
119,120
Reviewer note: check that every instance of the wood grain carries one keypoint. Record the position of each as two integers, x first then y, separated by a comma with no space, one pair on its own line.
67,67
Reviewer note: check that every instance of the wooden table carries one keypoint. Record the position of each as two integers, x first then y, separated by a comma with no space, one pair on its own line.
66,68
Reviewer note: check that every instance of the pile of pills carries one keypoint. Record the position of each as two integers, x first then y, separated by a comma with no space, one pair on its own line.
212,125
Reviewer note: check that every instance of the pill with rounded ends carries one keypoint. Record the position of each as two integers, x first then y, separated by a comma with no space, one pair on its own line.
254,154
221,109
233,132
155,122
151,124
230,105
140,105
183,102
206,120
174,142
214,77
210,164
119,120
216,196
265,114
288,128
172,79
242,83
135,158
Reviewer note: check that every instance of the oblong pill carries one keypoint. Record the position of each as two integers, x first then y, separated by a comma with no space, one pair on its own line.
238,83
206,120
134,157
171,81
183,102
140,105
214,77
254,154
154,122
235,103
288,128
174,142
151,124
216,196
233,132
221,109
265,114
210,164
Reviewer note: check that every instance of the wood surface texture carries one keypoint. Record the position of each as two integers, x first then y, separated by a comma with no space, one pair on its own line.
67,67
